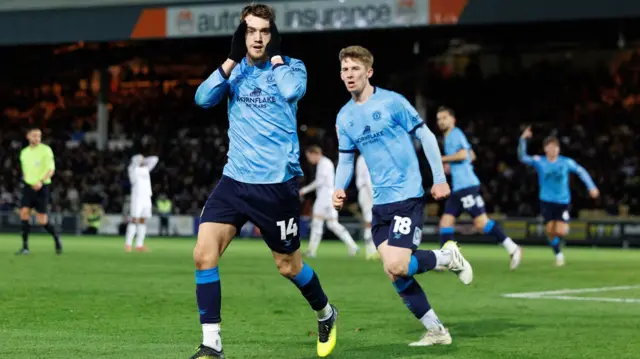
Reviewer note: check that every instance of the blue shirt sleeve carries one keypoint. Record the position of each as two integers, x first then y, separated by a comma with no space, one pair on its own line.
582,173
344,172
345,143
212,90
291,79
461,142
524,157
432,152
405,114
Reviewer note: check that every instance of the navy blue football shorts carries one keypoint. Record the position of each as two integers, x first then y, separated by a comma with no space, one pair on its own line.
273,208
465,200
399,222
554,211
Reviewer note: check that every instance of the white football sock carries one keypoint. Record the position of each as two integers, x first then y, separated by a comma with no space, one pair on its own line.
368,242
324,313
316,235
509,245
131,232
443,257
560,256
430,320
141,233
211,336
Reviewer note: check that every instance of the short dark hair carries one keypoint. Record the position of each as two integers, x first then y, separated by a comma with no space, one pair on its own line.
549,140
446,109
259,10
32,128
314,149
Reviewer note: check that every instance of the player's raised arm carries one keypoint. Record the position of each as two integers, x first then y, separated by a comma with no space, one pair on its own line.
522,148
584,177
291,77
150,162
135,162
213,89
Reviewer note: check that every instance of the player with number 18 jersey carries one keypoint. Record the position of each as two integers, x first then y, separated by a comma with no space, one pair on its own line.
381,124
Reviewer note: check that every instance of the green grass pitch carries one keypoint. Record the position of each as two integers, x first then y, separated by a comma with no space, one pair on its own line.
96,301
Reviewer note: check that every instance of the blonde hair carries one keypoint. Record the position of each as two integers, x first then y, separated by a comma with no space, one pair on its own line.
358,53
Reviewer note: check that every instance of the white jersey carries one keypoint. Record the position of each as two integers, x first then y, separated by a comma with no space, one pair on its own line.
139,176
324,183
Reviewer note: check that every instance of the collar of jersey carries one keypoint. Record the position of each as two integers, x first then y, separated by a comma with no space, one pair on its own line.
247,68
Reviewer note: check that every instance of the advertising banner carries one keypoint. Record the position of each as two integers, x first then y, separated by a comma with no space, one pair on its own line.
300,16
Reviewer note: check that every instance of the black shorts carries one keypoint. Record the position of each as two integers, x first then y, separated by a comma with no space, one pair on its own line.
465,200
273,208
400,223
38,200
554,211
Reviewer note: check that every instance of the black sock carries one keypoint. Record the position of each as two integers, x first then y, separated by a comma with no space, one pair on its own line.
52,231
446,234
209,295
25,234
421,261
413,296
309,284
555,245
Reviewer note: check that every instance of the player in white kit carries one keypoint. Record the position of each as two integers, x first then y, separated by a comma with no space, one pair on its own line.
323,209
140,200
365,200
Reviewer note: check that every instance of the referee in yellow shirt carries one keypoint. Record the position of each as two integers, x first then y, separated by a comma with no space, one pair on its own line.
38,167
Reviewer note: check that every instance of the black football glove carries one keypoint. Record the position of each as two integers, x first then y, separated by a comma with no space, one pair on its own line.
238,43
273,47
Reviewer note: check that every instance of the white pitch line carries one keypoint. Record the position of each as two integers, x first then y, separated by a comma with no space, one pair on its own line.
569,291
594,299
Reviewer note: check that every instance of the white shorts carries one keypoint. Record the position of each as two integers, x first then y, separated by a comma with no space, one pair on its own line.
324,208
366,205
141,207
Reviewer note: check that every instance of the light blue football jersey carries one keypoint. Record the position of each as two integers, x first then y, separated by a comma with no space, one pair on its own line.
263,101
381,129
462,174
553,177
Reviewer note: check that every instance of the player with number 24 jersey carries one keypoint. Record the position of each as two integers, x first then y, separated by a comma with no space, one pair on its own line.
466,195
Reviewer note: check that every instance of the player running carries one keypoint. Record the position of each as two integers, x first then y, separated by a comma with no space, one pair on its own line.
380,123
323,209
259,182
140,179
365,200
555,194
466,189
38,166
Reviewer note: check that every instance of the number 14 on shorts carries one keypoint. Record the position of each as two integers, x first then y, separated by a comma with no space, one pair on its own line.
287,228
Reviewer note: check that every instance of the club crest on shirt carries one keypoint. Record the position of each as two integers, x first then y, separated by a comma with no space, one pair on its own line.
377,115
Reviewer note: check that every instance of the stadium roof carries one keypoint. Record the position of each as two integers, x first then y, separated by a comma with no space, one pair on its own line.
21,5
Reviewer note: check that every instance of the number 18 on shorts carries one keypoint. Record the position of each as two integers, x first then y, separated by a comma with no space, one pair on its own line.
400,223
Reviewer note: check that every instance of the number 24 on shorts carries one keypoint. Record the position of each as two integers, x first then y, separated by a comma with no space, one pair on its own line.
287,228
469,201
